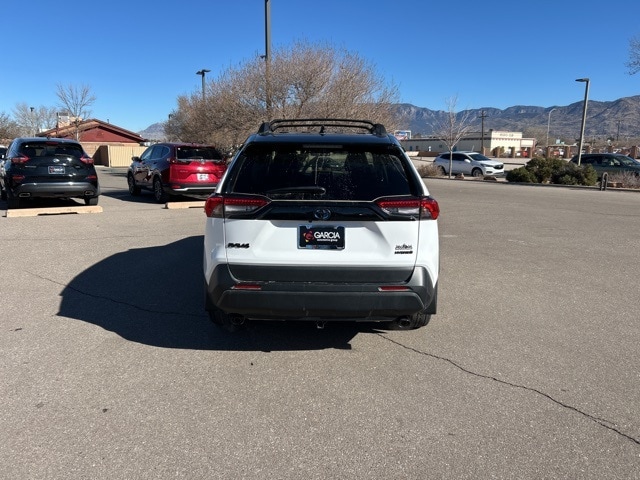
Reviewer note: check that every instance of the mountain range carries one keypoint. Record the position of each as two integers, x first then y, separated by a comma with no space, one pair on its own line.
617,119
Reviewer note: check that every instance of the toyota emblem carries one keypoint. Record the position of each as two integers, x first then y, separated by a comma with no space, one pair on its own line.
322,213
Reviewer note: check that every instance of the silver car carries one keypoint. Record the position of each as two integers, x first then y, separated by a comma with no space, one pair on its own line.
469,163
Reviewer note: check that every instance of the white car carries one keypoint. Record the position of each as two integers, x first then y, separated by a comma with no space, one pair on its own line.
323,225
469,163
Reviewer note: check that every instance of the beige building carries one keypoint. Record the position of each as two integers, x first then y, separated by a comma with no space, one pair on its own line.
496,143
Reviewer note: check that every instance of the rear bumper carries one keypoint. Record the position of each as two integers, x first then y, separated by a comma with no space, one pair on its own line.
329,301
56,190
191,189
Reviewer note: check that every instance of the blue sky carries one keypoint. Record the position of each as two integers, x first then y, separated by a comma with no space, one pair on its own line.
138,56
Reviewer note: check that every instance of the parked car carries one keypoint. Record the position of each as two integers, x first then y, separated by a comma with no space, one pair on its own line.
321,224
609,162
47,168
469,163
169,169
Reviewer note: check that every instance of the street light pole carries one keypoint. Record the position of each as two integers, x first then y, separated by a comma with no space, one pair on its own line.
548,123
202,73
483,115
267,56
584,115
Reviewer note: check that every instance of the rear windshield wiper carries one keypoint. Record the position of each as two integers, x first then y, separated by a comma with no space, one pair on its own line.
311,189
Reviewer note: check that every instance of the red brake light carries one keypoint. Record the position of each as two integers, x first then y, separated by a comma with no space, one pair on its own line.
220,206
20,160
424,207
86,159
429,208
213,207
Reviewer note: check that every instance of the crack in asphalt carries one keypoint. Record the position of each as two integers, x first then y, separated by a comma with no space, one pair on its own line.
600,421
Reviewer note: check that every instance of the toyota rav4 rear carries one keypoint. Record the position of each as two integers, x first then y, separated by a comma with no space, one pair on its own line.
321,219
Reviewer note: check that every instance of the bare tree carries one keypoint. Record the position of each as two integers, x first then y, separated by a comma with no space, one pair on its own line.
76,101
9,128
634,55
32,120
452,127
305,80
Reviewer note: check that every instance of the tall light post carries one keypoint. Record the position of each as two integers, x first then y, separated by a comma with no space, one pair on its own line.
202,73
483,115
267,56
584,115
33,120
548,123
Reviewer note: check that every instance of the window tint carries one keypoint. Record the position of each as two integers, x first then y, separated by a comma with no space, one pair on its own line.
146,155
204,153
49,148
334,173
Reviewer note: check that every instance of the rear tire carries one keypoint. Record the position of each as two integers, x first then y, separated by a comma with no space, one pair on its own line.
90,200
158,191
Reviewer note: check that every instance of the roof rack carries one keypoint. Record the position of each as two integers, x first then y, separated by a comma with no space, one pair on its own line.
322,123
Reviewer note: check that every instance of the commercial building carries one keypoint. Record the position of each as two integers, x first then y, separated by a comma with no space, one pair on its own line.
496,143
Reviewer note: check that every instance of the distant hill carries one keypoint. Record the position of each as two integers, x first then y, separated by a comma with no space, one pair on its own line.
604,119
153,132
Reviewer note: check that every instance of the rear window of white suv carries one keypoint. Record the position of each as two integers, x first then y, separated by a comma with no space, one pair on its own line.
329,172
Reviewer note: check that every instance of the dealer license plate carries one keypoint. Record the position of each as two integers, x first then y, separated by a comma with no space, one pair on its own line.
56,170
321,237
203,177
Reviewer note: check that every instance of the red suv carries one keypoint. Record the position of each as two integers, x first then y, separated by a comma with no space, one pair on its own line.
176,169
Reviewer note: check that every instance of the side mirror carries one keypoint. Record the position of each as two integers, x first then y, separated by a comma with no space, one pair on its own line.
135,159
467,160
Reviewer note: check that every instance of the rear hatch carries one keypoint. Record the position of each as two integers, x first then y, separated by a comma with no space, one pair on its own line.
197,164
56,162
350,213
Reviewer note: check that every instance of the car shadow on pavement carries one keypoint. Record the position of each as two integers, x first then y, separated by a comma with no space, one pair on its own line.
155,296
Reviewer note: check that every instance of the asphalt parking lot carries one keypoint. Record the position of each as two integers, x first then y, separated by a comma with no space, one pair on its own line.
111,369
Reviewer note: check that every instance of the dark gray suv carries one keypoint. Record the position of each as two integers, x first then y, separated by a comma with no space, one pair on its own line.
610,163
47,168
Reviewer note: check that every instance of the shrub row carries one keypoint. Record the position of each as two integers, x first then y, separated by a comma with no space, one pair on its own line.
553,170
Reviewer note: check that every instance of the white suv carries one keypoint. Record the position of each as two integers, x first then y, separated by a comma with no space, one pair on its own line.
469,163
314,220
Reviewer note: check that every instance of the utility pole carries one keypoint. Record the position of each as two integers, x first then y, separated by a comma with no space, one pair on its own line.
267,56
482,116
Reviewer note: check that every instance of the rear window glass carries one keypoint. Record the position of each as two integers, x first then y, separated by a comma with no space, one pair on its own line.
50,149
198,153
321,172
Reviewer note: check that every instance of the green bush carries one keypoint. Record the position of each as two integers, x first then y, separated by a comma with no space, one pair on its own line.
553,170
544,168
521,175
572,174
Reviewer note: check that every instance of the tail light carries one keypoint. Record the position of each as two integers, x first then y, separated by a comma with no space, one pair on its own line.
220,206
422,207
20,160
86,159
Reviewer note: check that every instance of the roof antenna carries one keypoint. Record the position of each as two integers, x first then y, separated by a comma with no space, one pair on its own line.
322,129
